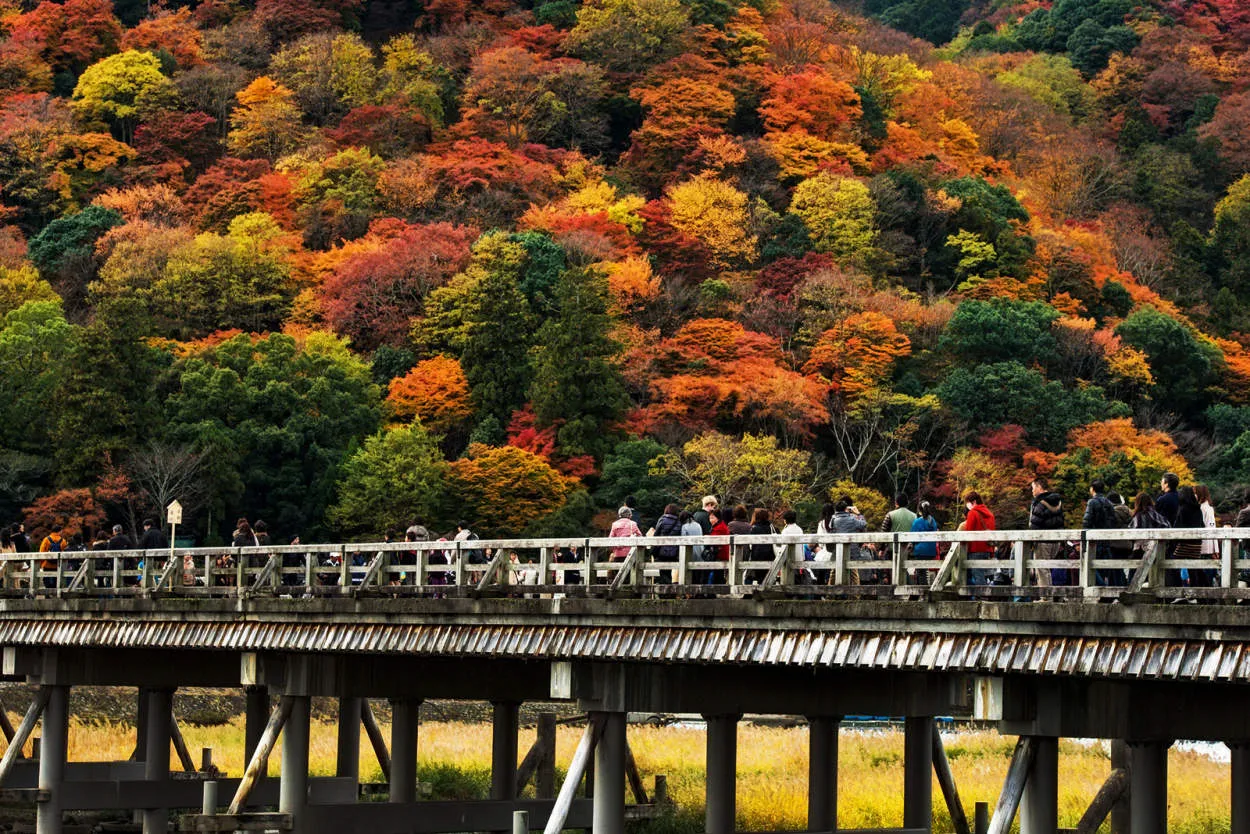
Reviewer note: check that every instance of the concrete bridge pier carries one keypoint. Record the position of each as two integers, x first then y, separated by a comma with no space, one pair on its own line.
918,772
722,774
1148,786
405,726
608,812
1240,751
347,761
822,773
159,720
1039,804
53,749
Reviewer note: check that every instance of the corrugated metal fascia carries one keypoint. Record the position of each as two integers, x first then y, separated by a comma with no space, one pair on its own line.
1101,657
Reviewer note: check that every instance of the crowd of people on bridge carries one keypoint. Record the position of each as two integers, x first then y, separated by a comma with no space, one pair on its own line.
1176,506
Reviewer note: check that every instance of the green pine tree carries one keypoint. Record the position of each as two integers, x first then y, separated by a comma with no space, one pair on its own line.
576,382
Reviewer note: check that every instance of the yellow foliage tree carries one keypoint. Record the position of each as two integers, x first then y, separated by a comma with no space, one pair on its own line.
266,122
714,213
501,490
631,283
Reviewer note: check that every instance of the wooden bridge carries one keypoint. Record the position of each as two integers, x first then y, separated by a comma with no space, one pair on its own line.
763,630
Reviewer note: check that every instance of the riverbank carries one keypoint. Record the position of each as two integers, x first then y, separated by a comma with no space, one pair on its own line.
772,768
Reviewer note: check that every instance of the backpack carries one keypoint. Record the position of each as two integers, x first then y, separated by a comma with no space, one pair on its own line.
55,546
477,556
1104,517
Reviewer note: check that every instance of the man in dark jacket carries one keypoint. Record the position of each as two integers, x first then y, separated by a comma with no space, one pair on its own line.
1100,515
153,537
1046,513
1168,503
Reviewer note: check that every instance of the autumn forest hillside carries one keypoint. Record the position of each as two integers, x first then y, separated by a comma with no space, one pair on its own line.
338,264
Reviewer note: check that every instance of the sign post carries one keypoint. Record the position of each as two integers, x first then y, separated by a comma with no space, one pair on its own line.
173,514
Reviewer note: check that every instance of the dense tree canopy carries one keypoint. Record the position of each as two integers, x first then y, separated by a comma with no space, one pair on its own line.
520,260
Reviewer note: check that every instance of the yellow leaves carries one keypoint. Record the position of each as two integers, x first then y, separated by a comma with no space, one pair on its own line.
800,155
632,283
596,197
715,214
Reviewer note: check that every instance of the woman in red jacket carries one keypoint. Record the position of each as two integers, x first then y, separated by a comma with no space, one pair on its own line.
979,518
717,552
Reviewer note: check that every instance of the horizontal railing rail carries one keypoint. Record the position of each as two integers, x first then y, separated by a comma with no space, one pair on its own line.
1133,565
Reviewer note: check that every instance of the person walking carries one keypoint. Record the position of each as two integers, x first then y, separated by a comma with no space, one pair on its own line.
979,518
692,528
718,552
1046,513
668,524
1100,515
848,519
924,549
1168,502
761,525
1145,517
900,519
1210,547
623,526
1188,517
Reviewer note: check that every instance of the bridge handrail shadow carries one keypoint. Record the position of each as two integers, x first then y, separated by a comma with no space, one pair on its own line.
1008,564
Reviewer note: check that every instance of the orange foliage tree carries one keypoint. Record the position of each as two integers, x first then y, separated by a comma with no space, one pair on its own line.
858,353
501,490
715,373
435,392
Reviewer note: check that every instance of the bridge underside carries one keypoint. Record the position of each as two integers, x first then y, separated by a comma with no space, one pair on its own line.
1141,675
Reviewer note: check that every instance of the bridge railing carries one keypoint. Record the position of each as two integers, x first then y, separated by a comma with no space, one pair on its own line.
1011,564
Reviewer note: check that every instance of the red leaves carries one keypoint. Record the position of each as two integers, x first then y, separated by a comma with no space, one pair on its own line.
372,297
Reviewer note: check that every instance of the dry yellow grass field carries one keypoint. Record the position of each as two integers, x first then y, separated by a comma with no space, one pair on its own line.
772,768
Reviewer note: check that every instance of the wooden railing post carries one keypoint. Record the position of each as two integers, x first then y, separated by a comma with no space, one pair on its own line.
1087,562
1228,576
1021,572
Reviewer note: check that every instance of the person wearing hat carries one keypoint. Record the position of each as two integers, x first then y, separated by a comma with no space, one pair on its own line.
624,526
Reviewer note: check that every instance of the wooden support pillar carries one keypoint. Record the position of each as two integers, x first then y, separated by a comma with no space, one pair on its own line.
160,713
722,774
608,814
503,752
347,761
293,789
1148,786
822,773
1122,810
1039,804
918,773
405,725
141,725
545,778
256,715
1240,772
52,754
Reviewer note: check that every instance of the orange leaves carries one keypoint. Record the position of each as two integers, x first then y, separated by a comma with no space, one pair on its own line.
175,32
435,392
858,353
1108,437
713,371
813,102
